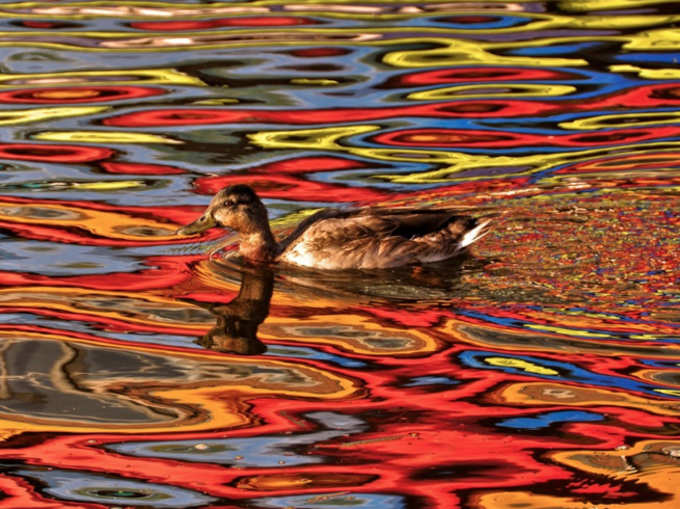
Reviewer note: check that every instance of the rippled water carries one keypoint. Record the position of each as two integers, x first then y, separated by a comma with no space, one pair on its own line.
542,371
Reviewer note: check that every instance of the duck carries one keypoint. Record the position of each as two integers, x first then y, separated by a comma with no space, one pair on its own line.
338,239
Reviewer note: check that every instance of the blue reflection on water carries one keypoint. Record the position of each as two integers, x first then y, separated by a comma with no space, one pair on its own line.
87,487
331,500
565,371
264,451
545,420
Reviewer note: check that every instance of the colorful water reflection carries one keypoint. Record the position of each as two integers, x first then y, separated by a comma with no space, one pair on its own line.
539,372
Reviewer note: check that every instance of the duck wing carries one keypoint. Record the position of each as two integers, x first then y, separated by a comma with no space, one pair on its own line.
409,223
374,238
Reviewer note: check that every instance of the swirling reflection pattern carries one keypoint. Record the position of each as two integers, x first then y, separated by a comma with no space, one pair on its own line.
540,372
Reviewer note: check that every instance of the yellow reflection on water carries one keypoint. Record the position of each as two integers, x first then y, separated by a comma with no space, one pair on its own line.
458,52
127,307
668,73
332,138
323,137
104,137
531,394
622,120
490,90
13,117
655,463
166,76
350,332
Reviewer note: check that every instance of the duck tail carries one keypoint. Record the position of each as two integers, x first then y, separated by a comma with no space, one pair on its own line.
478,231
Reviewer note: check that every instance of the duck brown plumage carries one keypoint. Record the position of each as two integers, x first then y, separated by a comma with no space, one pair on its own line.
370,238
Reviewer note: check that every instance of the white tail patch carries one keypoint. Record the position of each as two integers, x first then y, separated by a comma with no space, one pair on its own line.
474,235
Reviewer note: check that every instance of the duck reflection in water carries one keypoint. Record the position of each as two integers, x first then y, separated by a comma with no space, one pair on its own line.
238,320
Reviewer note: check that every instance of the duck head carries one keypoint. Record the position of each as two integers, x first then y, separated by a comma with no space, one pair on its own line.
235,207
241,210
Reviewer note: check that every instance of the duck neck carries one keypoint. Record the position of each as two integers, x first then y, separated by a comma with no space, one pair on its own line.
258,245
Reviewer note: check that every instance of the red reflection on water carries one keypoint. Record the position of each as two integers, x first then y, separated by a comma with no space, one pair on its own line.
430,445
19,493
77,95
162,273
305,164
645,96
436,442
470,19
53,153
260,21
141,168
318,52
478,74
624,162
489,138
202,116
40,24
281,179
93,223
291,188
455,138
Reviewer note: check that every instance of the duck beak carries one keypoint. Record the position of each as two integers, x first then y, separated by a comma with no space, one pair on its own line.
201,224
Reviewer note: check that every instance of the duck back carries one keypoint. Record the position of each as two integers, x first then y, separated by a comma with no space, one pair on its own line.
374,238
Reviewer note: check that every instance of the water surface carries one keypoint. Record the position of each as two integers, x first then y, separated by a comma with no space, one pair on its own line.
540,371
